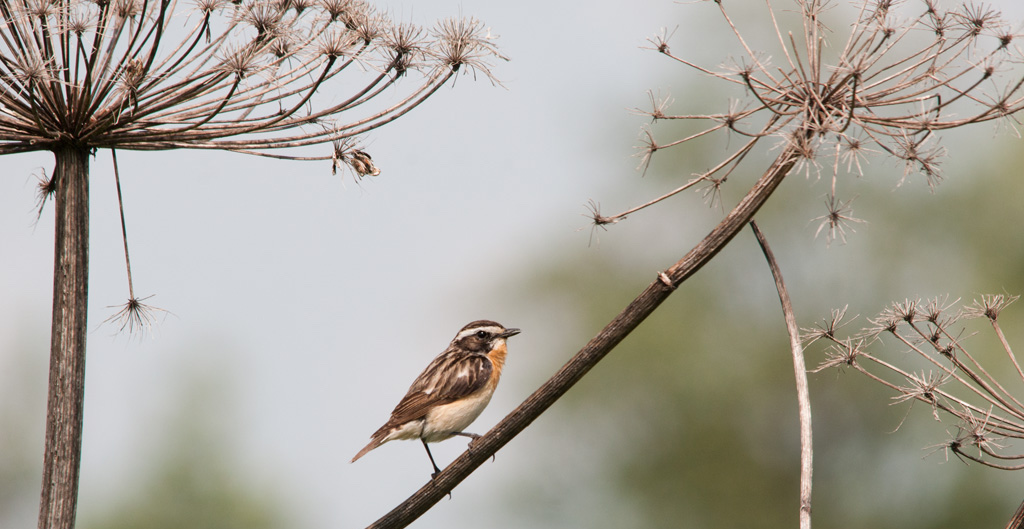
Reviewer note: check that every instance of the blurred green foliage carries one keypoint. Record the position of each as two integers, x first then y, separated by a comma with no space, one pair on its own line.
195,481
188,492
691,421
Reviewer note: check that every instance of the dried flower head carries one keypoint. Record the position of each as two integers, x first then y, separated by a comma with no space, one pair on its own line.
361,163
465,42
135,317
46,185
904,72
827,329
956,384
838,219
989,306
347,153
246,76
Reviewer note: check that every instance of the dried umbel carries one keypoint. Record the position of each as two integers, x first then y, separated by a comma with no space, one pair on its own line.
904,72
941,372
247,76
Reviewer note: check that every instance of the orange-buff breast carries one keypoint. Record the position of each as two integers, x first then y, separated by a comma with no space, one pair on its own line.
497,357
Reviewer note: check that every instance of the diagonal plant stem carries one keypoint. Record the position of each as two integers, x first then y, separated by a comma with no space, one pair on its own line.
592,353
802,392
1017,522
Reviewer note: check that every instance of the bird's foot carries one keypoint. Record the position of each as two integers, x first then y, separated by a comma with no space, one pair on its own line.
433,476
472,436
475,439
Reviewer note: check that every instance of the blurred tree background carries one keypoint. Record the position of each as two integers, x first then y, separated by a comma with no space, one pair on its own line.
692,421
191,478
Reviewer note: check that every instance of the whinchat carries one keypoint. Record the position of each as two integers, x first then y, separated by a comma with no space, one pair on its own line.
451,392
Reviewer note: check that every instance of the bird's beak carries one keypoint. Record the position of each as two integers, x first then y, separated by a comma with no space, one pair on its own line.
510,332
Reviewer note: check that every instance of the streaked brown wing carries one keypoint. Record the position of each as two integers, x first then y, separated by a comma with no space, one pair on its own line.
447,379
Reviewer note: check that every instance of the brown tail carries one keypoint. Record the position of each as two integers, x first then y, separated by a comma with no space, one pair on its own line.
377,440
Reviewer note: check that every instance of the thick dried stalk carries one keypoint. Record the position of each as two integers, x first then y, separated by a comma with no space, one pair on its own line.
1017,522
62,456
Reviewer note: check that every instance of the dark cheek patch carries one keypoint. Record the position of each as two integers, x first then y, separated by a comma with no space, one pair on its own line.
473,344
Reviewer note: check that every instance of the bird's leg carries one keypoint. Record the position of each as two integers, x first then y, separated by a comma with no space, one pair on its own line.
474,438
431,456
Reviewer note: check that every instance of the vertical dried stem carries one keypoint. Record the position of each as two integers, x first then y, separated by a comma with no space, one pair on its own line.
802,393
62,456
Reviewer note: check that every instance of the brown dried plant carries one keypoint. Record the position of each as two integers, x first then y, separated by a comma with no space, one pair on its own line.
277,78
953,382
905,71
253,76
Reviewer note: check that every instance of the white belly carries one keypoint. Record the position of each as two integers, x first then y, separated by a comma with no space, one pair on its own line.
444,421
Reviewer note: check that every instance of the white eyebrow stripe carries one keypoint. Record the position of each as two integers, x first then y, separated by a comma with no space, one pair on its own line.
489,328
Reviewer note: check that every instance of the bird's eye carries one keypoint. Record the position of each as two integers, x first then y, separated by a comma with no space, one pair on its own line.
481,334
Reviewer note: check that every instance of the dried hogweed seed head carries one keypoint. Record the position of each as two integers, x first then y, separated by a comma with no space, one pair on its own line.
79,24
265,18
33,71
936,308
46,186
282,46
989,306
838,219
976,18
466,42
901,76
362,164
826,329
240,61
841,354
337,42
136,317
133,74
300,6
406,44
957,384
78,69
208,7
127,8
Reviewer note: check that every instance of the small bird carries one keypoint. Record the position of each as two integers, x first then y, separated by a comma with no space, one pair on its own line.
451,392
